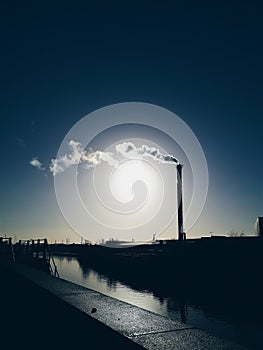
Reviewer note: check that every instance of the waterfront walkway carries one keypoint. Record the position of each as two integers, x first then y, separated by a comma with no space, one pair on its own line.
38,310
33,318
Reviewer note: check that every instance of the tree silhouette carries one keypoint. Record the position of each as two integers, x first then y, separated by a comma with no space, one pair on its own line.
235,233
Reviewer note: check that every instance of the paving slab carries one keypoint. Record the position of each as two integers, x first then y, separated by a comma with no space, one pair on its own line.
188,339
127,319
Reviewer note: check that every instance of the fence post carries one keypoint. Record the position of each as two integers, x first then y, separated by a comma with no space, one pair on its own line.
33,247
27,247
45,249
38,247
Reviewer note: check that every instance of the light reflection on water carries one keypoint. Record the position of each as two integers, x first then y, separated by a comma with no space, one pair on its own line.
70,269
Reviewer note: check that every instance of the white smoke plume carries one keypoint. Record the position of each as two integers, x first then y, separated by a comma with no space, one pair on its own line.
129,150
37,164
90,159
78,155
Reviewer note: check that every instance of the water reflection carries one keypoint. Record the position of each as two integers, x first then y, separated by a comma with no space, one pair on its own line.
237,324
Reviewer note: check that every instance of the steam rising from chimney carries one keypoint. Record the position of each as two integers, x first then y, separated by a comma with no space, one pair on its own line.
129,150
90,158
79,155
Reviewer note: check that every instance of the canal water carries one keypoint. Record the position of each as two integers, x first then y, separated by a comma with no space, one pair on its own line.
249,332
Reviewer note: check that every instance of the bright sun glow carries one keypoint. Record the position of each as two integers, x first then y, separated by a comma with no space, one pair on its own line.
124,177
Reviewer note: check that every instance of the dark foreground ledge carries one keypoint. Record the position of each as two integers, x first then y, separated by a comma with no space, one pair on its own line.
38,309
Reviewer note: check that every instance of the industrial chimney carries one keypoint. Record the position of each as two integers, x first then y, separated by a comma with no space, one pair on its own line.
181,234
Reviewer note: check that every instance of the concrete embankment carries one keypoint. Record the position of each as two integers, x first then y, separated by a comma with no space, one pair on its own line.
39,309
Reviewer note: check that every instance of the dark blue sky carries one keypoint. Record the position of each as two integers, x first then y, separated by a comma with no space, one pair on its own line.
62,60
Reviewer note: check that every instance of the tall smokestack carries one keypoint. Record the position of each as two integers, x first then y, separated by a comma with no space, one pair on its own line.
181,234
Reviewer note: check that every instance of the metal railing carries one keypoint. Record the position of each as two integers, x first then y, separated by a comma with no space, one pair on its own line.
37,250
